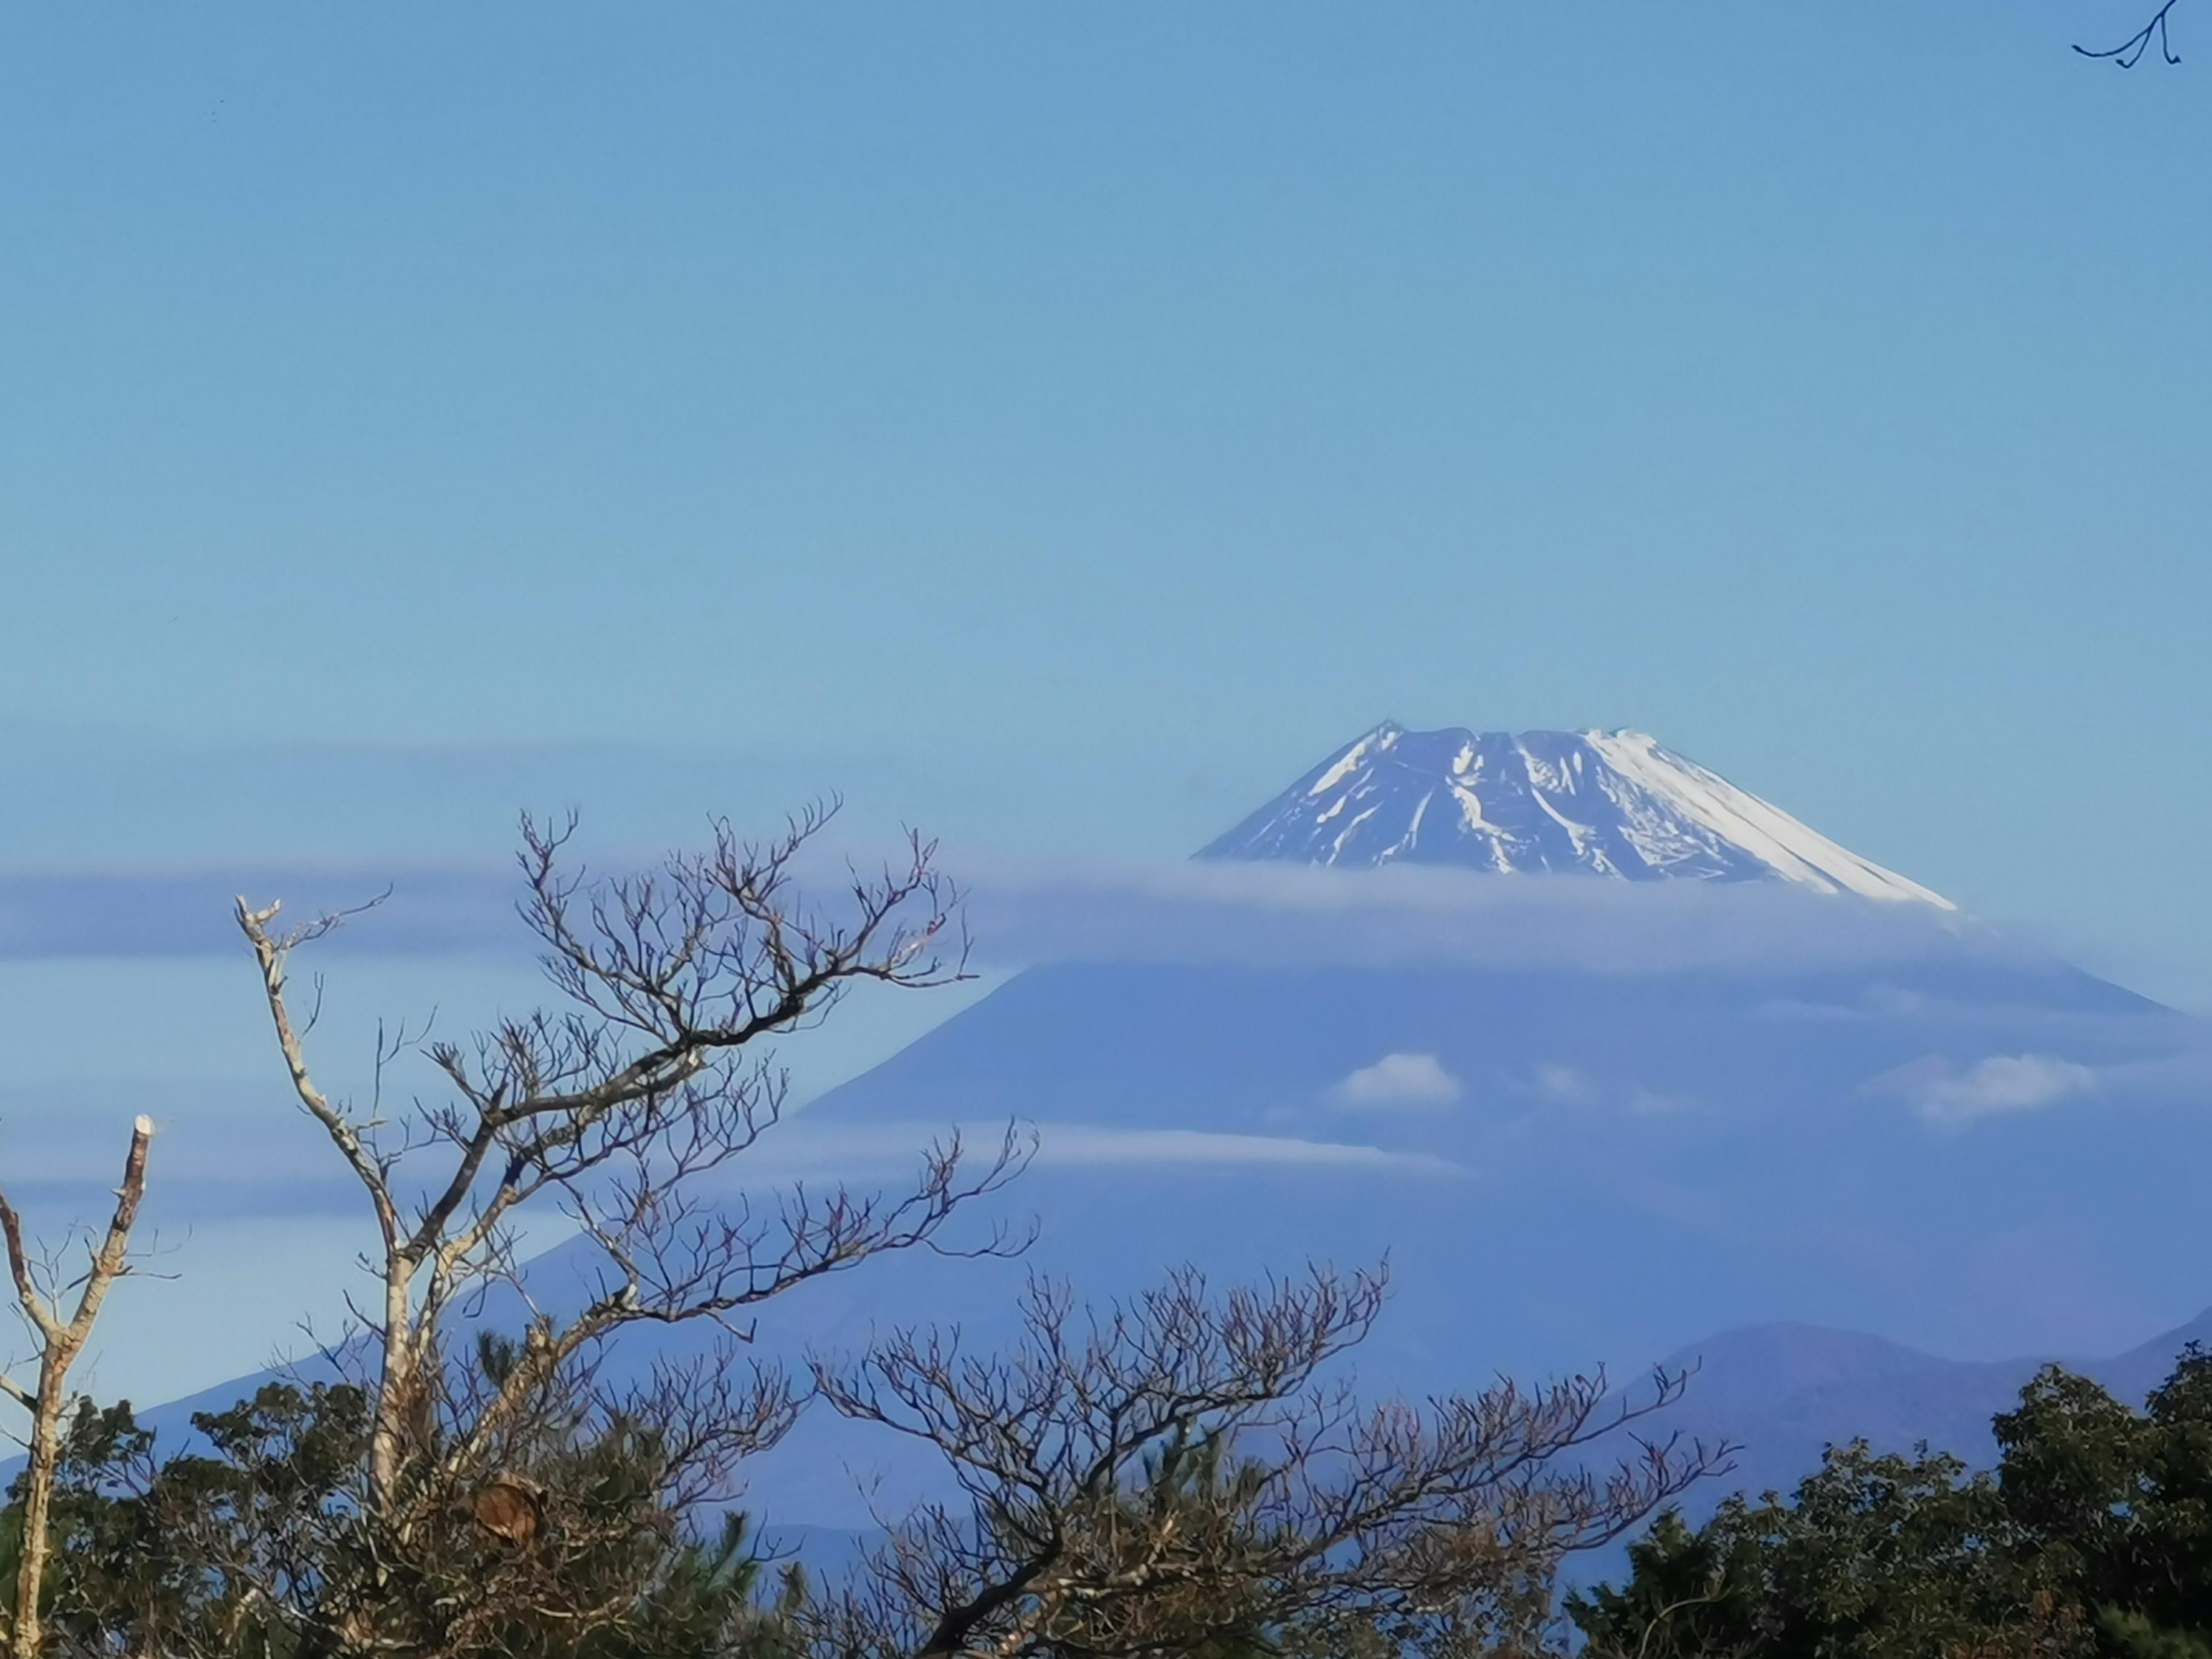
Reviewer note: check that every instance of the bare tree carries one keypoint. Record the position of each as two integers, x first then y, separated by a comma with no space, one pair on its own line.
39,1292
2130,51
1169,1477
617,1106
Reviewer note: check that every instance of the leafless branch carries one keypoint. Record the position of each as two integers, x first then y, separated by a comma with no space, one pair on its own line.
619,1104
62,1338
2130,51
1172,1474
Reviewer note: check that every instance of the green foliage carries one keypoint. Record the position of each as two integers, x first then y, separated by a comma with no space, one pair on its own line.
2134,1637
2094,1538
257,1547
2091,1539
1877,1556
1692,1591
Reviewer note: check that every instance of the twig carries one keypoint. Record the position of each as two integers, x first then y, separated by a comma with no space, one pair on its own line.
2130,51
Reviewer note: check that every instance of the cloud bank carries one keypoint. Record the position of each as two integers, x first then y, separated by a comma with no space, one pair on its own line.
1278,915
431,911
1249,914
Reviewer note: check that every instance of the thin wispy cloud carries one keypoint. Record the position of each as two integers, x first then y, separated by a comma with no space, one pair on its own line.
804,1148
1082,1145
420,910
1563,1086
1659,1102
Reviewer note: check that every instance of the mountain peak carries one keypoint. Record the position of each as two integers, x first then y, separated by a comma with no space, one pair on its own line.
1605,803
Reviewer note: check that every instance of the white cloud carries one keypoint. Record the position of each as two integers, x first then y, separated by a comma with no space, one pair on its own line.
1399,1080
1564,1086
1994,1086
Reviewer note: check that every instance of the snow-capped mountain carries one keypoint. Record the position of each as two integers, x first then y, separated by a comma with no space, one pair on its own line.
1602,803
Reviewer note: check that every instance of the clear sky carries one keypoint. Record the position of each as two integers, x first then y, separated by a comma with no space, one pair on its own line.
1064,423
1071,420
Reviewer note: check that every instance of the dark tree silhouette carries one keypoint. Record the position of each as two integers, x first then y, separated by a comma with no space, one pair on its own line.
1172,1478
2130,51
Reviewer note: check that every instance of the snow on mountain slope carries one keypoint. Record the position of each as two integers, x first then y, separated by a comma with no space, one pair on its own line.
1602,803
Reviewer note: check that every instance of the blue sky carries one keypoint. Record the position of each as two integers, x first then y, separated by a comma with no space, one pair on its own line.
1063,424
1069,421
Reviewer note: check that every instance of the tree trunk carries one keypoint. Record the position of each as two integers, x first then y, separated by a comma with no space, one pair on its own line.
24,1636
59,1345
388,1433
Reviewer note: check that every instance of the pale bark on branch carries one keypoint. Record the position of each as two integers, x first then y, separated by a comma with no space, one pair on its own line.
622,1105
61,1338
